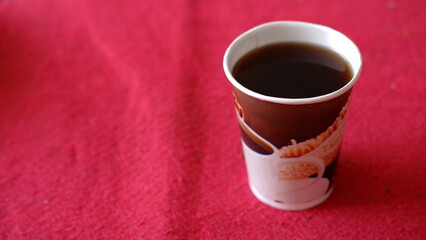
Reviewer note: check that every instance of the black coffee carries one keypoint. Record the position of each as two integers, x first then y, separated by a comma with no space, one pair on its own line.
292,70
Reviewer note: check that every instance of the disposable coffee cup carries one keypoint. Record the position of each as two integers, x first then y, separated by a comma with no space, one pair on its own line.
291,146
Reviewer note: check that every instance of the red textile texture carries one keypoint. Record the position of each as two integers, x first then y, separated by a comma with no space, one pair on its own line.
117,122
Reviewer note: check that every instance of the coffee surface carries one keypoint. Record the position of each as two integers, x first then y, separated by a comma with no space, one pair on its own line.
292,70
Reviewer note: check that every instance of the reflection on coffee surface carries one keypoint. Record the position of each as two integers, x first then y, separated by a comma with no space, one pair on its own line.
292,70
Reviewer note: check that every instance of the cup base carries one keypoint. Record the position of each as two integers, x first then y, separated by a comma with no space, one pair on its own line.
291,207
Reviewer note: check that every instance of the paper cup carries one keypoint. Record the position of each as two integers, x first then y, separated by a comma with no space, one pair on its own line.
291,145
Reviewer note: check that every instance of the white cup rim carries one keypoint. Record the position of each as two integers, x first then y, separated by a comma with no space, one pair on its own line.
292,101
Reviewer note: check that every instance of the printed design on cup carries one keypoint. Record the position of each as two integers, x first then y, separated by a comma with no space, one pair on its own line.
325,146
295,173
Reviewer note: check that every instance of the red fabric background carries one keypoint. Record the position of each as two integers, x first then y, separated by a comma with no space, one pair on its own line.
117,122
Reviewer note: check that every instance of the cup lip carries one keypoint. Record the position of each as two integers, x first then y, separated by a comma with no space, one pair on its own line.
292,101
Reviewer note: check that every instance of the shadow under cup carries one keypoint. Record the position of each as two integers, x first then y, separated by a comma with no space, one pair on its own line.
291,145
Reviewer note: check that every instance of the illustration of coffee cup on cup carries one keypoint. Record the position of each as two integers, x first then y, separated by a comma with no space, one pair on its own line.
292,174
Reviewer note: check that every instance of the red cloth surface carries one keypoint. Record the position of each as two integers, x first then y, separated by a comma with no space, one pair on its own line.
117,122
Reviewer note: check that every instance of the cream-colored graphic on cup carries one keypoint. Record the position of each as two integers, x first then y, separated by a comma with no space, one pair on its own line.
285,175
325,146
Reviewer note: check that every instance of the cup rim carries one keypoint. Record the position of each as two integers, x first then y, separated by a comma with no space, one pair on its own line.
292,101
